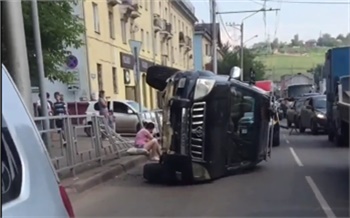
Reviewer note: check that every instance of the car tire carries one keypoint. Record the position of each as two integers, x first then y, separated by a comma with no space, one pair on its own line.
314,128
157,76
158,173
330,136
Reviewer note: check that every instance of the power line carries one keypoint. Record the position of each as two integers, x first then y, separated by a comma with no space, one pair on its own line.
312,2
223,24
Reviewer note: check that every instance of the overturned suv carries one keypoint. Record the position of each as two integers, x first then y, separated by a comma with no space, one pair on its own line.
212,125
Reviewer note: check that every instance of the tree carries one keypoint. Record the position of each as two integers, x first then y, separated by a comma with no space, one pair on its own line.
60,30
275,44
232,59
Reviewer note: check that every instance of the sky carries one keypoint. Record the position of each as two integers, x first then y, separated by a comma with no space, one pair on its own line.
307,20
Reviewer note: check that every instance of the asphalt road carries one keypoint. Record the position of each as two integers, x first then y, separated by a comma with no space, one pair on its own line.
306,177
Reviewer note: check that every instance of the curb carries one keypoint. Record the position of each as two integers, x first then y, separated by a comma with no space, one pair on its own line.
107,174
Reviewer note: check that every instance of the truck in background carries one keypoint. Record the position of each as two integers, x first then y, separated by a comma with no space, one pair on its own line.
337,70
294,91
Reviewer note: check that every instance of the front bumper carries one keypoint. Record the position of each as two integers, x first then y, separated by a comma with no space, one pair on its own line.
321,123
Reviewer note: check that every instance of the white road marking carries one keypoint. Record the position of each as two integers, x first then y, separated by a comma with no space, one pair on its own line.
287,141
325,206
296,158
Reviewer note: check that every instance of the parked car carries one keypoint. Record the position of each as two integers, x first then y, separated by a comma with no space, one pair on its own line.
30,186
313,114
293,113
126,113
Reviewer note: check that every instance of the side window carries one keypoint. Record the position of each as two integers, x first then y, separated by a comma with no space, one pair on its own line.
120,108
11,167
242,106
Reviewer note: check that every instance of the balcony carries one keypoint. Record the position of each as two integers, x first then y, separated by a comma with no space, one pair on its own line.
157,23
166,30
188,42
113,3
130,9
182,41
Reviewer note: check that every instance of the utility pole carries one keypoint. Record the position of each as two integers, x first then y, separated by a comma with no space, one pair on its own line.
242,31
40,63
242,50
214,37
17,50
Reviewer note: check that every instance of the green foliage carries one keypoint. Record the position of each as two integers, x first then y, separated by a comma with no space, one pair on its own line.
60,29
232,59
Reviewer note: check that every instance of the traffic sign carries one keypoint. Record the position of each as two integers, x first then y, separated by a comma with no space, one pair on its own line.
135,47
72,61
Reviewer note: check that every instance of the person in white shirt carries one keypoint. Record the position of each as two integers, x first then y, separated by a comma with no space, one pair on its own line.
49,105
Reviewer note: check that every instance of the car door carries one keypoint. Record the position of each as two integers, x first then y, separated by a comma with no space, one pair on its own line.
307,112
310,111
291,112
126,118
303,112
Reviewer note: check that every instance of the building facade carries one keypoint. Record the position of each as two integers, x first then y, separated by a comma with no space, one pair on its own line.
165,29
203,46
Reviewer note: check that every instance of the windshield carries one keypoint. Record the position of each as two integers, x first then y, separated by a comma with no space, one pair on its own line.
320,103
136,106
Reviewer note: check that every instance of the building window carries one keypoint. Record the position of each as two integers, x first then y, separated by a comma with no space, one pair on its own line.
99,77
111,24
207,50
148,42
132,31
123,28
156,51
143,40
115,80
96,18
172,54
144,90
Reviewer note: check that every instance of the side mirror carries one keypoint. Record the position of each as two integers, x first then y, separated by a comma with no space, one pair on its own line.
130,111
235,73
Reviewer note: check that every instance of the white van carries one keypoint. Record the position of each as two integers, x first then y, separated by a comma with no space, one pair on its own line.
30,186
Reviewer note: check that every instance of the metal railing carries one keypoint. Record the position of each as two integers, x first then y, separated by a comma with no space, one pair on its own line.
72,151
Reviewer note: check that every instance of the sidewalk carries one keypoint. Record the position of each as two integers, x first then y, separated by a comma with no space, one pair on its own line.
95,176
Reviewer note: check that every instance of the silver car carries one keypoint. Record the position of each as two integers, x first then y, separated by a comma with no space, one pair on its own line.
30,186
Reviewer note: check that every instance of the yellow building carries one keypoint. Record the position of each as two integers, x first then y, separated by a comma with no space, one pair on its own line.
164,27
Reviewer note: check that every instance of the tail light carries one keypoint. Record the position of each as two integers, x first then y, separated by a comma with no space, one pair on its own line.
66,202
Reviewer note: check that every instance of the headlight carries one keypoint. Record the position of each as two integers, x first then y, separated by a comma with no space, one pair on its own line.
320,116
203,88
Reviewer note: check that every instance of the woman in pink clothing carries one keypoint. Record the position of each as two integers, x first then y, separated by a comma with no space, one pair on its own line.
144,139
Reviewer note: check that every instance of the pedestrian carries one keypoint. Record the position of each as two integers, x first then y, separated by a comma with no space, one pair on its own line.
49,105
60,110
144,139
111,120
102,103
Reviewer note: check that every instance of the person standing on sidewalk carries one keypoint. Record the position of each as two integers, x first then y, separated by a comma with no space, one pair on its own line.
103,108
60,110
102,103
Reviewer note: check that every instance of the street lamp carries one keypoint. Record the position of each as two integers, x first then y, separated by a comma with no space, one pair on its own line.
251,38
